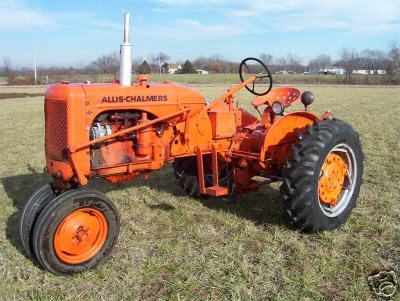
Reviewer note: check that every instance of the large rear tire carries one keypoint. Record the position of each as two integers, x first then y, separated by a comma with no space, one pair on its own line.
31,210
75,231
322,178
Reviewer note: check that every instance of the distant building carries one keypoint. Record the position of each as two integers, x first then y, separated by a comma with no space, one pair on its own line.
200,71
362,72
174,68
313,70
285,72
333,70
341,71
369,72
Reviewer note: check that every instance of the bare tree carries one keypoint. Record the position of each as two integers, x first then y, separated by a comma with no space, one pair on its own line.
136,64
157,60
266,58
163,57
201,63
322,61
216,64
281,61
153,62
372,60
6,65
107,64
8,70
293,62
348,60
290,63
394,55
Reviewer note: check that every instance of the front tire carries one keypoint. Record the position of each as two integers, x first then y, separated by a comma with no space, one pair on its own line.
32,208
322,178
75,231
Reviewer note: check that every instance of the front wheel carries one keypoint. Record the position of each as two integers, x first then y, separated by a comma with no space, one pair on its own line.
75,231
30,212
323,175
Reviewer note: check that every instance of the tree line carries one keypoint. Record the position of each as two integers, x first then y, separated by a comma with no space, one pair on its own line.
348,59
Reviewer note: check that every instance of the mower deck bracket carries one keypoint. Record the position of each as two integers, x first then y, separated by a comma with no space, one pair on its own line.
215,189
200,170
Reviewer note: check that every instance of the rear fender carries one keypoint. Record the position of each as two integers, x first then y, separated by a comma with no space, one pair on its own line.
282,133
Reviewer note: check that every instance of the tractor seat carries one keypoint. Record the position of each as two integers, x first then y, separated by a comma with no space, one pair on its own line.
287,96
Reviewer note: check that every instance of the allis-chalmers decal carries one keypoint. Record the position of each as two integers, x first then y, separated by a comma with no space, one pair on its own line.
147,98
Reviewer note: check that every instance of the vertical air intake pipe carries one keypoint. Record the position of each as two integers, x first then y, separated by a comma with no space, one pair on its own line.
125,71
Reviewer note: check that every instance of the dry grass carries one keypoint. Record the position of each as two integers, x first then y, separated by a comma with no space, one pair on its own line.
221,78
177,248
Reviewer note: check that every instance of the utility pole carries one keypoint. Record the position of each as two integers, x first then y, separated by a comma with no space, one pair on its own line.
34,63
159,62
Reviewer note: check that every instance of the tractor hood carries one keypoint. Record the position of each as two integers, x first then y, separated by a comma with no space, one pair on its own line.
158,99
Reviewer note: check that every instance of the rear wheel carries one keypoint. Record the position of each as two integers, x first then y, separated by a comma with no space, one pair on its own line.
32,208
323,175
76,231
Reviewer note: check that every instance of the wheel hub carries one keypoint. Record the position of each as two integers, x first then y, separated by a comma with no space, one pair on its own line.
80,235
333,173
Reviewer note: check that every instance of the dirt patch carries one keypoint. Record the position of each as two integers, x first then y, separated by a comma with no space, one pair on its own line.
19,95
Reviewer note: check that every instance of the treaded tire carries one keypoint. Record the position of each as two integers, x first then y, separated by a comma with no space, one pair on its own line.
55,212
302,171
30,212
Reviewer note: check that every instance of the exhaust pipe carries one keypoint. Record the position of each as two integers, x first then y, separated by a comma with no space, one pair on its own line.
125,71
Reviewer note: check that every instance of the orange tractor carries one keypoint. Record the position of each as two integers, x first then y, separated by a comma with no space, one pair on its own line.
120,131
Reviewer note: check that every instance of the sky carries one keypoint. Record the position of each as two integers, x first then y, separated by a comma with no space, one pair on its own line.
73,33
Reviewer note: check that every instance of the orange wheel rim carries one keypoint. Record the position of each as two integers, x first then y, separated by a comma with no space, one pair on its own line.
80,235
330,184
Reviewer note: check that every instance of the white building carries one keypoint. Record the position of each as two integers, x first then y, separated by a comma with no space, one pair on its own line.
333,70
201,71
174,68
369,72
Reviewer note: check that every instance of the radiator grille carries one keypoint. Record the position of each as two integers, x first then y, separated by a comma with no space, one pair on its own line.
56,139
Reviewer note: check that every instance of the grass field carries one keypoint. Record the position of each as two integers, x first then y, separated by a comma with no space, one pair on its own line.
173,247
230,78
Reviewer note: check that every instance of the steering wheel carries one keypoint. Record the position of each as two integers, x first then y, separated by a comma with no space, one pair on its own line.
260,71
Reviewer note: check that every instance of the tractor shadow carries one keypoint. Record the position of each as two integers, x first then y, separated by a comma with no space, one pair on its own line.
262,208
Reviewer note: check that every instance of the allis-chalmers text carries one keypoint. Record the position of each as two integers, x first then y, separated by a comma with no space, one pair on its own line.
147,98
